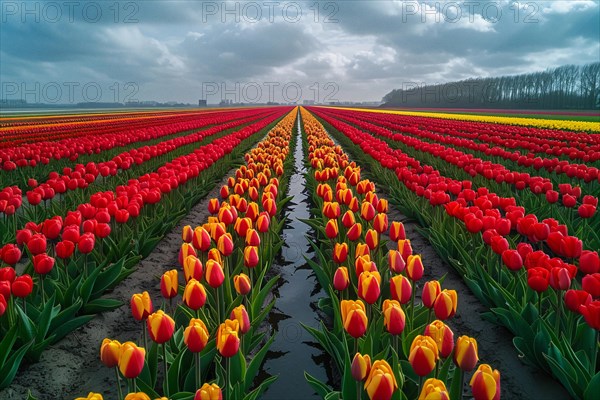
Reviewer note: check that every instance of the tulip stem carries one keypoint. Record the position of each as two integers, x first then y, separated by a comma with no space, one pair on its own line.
228,380
167,391
43,292
412,306
120,391
144,335
559,301
595,355
358,391
462,384
198,369
420,385
539,303
396,344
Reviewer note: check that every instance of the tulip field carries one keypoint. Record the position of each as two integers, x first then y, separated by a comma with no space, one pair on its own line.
148,246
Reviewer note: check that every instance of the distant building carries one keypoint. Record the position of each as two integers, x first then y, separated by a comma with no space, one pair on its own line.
202,103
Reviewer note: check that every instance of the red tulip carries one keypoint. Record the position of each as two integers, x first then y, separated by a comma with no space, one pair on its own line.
512,259
591,313
400,289
43,264
560,278
340,279
589,262
574,299
571,246
37,244
538,279
591,284
160,326
11,254
214,274
22,286
7,274
397,231
86,243
431,290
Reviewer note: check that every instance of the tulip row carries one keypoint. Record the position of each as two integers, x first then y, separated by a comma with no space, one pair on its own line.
81,176
409,350
214,330
553,125
97,246
519,299
492,172
492,146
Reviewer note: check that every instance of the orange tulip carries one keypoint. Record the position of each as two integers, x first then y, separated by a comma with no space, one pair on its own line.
369,286
240,314
169,284
431,290
91,396
141,306
393,317
192,268
372,239
443,336
195,335
397,231
465,353
251,256
400,289
160,326
131,360
361,366
331,229
354,317
341,279
228,341
214,274
209,392
340,252
485,383
138,396
396,262
381,383
194,295
414,267
423,355
225,244
242,284
109,352
445,304
201,239
434,389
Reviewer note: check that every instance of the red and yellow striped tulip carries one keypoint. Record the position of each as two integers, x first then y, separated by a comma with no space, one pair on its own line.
187,234
242,284
361,366
214,206
252,238
131,360
331,229
228,341
186,250
331,210
348,219
195,336
445,304
160,326
262,223
169,284
194,295
253,211
361,250
485,383
367,211
369,286
201,239
380,223
341,279
397,231
251,256
141,306
396,262
354,317
434,389
209,392
423,355
443,336
225,244
400,289
215,255
214,274
192,268
340,252
382,206
110,351
431,291
355,232
381,383
405,248
217,229
465,353
242,225
372,239
414,267
393,317
240,314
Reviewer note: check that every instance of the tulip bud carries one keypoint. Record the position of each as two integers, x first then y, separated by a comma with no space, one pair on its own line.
169,284
110,351
341,279
340,252
381,383
214,274
560,278
400,289
10,254
591,284
589,262
22,286
423,355
361,366
139,396
262,223
362,250
445,304
354,232
396,262
43,264
131,360
380,223
187,234
252,238
591,313
194,295
367,211
397,231
574,299
7,273
442,335
225,244
331,229
512,259
251,256
209,392
192,268
485,383
201,239
242,284
405,248
141,306
369,286
354,317
348,219
431,290
195,335
64,249
434,389
37,244
228,341
3,305
186,250
394,318
465,353
240,314
86,243
414,267
372,239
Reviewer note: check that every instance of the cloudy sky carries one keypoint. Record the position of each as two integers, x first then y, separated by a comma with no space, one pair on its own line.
71,51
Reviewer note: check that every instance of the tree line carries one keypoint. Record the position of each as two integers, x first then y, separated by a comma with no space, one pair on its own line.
565,87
